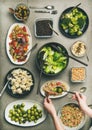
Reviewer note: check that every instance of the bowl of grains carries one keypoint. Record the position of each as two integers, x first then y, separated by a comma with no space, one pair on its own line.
71,116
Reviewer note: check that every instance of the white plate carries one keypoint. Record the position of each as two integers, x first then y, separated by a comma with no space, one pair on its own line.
9,40
52,96
28,104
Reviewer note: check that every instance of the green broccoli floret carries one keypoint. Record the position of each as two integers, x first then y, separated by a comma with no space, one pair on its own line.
65,23
81,22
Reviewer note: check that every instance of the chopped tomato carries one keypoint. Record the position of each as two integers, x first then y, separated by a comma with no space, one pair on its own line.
24,29
58,83
20,35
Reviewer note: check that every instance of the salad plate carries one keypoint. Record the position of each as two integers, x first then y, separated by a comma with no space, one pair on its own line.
21,82
51,85
73,23
25,105
18,43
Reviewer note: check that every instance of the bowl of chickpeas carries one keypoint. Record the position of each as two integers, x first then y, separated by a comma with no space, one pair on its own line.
22,12
78,74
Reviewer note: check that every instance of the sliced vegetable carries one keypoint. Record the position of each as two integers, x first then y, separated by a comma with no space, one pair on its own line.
19,42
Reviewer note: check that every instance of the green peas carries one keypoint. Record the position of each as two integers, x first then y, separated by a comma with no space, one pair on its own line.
20,115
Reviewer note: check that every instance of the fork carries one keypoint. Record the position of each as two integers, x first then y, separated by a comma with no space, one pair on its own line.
51,12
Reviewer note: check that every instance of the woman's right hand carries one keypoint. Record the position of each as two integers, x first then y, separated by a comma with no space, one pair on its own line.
81,99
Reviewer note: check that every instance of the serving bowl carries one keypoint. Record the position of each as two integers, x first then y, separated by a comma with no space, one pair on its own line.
71,116
21,12
73,22
51,58
21,82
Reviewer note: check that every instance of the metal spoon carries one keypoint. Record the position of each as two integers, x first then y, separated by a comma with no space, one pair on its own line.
74,7
48,7
31,49
67,55
86,53
41,69
52,28
8,80
83,89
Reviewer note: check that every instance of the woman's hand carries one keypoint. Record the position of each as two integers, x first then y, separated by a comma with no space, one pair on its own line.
49,106
81,99
51,109
83,103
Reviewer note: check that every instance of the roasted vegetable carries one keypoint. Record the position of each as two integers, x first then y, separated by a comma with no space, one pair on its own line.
73,22
20,115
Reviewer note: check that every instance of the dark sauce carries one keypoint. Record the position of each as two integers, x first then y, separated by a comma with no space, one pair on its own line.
43,29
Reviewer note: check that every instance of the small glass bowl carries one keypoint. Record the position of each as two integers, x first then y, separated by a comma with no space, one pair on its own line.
78,74
78,49
21,12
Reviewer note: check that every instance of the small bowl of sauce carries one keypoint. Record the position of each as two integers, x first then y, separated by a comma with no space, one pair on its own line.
78,49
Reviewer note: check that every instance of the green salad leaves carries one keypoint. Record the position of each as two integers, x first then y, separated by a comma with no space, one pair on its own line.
54,61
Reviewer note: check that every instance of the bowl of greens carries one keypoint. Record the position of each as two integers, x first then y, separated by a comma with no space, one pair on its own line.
52,58
73,22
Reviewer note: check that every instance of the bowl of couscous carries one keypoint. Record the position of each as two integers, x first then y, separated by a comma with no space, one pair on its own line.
71,116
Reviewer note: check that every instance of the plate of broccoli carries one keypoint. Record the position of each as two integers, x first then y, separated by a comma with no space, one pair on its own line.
52,58
73,22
